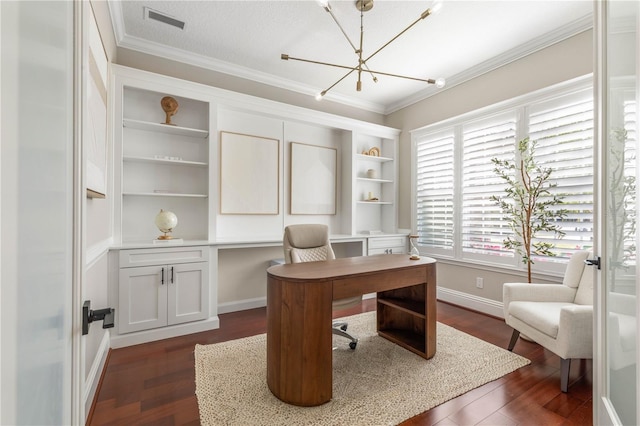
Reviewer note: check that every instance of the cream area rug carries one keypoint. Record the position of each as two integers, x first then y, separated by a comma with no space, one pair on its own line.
379,383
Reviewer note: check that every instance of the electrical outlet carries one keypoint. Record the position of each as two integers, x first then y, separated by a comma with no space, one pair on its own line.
479,282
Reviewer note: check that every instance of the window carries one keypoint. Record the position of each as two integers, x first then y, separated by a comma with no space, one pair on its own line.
434,195
482,226
455,178
563,128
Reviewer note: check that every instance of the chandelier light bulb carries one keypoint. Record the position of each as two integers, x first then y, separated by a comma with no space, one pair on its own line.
440,82
319,95
436,7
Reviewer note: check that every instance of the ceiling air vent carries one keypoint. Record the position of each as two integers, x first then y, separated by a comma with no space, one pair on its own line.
161,17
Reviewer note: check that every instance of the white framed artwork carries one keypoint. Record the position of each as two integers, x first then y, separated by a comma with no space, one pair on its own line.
249,174
313,179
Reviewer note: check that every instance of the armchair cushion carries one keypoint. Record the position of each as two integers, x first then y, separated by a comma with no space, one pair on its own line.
544,317
526,292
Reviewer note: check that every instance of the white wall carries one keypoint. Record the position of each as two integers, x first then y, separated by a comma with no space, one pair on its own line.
562,61
98,236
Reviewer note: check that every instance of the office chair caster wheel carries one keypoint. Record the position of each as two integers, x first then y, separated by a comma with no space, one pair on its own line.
343,327
353,345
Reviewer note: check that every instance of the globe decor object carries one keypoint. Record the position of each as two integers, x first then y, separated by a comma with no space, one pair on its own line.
166,221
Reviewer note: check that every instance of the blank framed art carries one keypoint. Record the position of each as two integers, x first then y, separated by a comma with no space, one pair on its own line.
313,179
249,174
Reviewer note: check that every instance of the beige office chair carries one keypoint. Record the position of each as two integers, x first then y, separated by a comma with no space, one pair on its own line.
557,317
310,243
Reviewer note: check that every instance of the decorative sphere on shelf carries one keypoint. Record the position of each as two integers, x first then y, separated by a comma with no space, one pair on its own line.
166,221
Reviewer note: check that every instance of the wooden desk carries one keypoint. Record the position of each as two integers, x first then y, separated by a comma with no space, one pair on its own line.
299,297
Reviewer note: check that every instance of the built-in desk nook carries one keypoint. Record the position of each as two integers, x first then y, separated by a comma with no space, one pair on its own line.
299,297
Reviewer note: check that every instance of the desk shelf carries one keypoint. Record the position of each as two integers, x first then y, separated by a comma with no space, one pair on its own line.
402,317
409,306
407,339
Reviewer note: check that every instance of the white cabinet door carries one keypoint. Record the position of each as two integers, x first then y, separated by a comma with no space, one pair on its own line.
188,298
142,300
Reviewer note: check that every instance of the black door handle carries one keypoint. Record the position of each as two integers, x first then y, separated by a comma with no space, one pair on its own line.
593,262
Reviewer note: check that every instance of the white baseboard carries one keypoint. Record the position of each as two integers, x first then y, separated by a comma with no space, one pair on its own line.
93,378
129,339
480,304
242,305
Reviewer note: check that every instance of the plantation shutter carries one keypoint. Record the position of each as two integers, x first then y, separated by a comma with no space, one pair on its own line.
483,225
563,129
434,190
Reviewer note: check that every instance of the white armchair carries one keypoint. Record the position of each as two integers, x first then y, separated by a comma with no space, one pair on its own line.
558,317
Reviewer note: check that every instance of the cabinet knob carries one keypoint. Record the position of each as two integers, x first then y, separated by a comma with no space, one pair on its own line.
162,276
172,275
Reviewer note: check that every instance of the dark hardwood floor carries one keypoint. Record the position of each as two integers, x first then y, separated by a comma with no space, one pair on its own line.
154,383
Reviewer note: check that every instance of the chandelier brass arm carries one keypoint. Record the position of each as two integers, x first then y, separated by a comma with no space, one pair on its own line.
286,57
362,6
357,51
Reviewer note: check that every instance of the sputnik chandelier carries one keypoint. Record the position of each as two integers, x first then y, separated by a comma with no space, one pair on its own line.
364,6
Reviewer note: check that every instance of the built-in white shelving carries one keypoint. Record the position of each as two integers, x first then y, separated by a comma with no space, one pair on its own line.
158,165
135,159
374,192
165,128
164,194
373,158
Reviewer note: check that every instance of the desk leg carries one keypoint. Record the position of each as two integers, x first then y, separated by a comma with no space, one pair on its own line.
299,353
431,317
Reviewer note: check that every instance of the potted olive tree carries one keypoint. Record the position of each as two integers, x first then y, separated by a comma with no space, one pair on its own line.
528,205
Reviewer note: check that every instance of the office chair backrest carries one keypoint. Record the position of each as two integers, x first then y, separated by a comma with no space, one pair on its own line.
307,243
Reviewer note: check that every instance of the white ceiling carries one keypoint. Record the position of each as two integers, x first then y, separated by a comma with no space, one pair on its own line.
246,39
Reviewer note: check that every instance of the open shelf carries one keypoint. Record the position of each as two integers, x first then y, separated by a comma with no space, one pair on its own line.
164,128
165,194
373,158
414,342
134,159
415,308
374,202
365,179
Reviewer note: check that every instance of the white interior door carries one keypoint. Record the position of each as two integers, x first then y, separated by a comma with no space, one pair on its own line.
616,341
37,169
